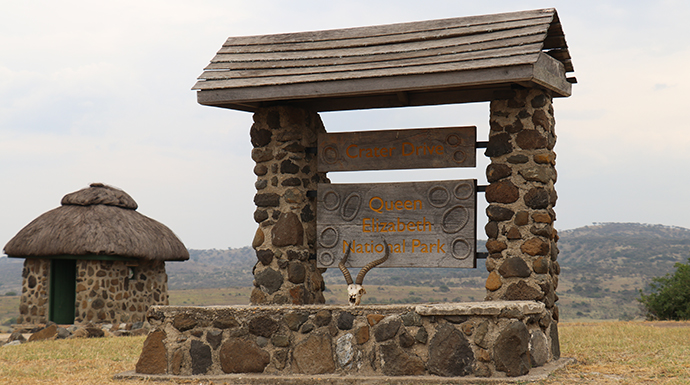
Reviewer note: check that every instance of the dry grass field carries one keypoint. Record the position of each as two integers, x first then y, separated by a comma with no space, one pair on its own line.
606,353
9,309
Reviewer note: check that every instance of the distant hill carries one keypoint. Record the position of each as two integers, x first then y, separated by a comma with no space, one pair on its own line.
603,267
596,251
11,275
212,269
635,230
624,249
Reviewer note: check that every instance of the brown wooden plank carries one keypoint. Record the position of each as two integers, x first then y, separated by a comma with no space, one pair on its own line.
397,149
374,50
550,74
440,34
419,63
559,54
481,77
407,63
421,98
380,100
410,217
333,61
568,65
376,73
563,56
532,41
382,30
555,41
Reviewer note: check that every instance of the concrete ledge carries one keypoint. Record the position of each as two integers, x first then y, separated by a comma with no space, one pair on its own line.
491,308
515,309
536,374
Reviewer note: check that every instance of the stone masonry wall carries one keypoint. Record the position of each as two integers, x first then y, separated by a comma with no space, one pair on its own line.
105,293
284,242
521,238
33,306
481,339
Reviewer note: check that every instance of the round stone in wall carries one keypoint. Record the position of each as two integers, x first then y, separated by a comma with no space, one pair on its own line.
287,231
243,356
511,349
498,213
450,353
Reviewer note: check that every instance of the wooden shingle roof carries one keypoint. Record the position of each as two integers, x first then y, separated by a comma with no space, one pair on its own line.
98,220
456,60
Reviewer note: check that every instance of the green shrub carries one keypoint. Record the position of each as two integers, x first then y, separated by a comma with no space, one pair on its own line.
669,297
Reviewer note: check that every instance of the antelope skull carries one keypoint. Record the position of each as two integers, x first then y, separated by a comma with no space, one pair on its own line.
355,290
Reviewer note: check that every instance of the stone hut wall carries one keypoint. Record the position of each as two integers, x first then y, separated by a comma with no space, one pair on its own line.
284,242
104,292
488,339
33,306
521,238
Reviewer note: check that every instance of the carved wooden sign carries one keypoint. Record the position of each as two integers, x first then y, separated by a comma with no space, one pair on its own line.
426,224
397,149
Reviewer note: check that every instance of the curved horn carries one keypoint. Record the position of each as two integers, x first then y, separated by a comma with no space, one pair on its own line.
371,265
341,266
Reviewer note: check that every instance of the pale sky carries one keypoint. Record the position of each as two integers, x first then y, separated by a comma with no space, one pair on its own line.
100,92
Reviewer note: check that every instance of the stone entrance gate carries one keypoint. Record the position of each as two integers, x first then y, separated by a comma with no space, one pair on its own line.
516,61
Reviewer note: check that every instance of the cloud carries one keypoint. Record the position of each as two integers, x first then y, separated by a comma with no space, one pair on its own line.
94,91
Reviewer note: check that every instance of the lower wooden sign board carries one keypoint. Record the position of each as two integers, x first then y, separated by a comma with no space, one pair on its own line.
425,224
398,149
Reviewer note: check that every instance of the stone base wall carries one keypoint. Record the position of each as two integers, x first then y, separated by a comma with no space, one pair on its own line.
483,339
106,293
33,306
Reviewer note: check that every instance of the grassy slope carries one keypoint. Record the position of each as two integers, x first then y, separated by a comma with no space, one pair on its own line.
606,353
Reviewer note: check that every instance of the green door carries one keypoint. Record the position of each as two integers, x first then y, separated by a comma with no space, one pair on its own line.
63,276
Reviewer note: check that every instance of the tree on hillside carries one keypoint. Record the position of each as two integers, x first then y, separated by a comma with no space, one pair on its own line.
669,297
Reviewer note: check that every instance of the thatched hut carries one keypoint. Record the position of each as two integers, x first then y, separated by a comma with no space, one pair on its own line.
94,259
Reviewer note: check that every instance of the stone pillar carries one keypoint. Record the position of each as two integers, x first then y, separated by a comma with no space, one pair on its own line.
521,195
285,240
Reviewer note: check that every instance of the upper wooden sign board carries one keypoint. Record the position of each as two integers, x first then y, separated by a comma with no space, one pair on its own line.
397,149
455,60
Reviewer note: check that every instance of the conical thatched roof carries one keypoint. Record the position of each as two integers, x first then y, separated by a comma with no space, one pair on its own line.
98,220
